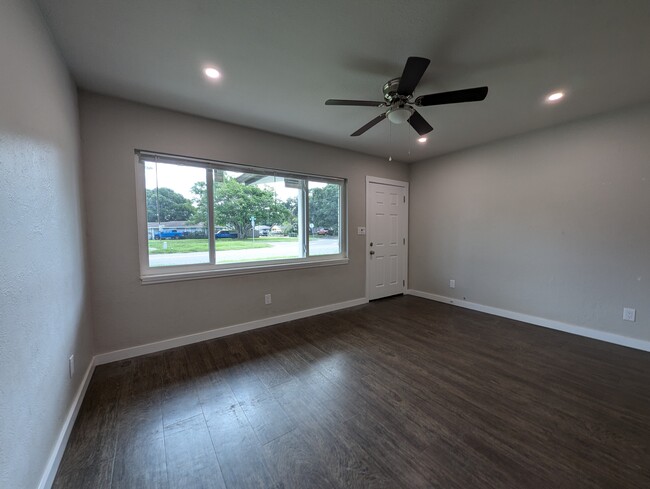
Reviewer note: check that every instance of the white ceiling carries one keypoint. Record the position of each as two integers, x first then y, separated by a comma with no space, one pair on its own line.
282,59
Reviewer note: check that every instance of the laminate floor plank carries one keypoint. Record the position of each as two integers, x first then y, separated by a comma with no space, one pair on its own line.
264,363
237,447
98,476
393,449
238,450
180,399
89,454
336,366
293,464
191,459
348,464
140,462
398,393
267,417
140,457
264,413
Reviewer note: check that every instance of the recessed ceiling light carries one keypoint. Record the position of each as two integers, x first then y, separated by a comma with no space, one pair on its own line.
554,97
422,140
212,73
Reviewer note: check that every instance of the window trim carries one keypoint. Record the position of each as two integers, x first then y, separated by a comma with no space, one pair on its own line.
172,273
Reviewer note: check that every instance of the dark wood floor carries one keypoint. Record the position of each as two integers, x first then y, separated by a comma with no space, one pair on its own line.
399,393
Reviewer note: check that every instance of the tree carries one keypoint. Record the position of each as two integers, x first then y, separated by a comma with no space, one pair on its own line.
324,207
290,227
200,189
164,205
235,203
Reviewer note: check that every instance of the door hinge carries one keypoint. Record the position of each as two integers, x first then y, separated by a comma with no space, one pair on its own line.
403,283
404,199
403,240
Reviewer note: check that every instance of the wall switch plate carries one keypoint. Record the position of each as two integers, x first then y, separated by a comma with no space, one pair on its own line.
452,284
361,231
267,298
629,314
71,365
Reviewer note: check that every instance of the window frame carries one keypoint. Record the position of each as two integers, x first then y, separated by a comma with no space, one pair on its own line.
174,273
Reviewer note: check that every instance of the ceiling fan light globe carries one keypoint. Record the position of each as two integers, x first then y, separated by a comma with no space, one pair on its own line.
399,116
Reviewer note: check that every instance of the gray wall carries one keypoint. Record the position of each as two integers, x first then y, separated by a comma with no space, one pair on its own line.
554,224
43,313
127,313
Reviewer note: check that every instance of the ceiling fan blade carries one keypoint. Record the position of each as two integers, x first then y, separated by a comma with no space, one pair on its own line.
413,71
370,124
457,96
418,123
359,103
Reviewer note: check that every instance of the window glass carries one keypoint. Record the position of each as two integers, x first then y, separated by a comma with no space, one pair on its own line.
324,218
176,235
255,218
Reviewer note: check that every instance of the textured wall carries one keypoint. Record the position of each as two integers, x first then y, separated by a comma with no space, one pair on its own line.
42,293
553,224
127,313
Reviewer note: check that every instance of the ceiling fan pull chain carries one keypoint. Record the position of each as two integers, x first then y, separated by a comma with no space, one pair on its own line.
390,140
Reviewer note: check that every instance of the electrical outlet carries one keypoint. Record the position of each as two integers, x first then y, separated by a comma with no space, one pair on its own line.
629,314
71,365
267,299
452,284
361,231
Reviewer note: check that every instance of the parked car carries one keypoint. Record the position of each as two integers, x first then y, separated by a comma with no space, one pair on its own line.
170,234
323,231
262,230
226,234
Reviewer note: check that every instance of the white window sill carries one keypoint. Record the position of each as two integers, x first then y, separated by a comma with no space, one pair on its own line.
177,276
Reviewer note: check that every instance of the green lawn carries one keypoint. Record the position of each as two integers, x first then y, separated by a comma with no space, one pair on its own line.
156,247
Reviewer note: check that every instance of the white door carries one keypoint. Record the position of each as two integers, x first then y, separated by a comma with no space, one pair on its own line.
387,229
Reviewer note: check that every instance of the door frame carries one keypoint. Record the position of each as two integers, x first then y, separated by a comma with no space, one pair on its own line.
394,183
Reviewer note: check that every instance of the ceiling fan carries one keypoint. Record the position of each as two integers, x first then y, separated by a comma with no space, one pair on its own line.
398,97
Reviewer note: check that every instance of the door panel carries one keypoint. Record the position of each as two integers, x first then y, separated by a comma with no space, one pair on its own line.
386,239
393,268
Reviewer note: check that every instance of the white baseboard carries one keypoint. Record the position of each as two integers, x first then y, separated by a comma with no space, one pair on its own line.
537,321
135,351
59,447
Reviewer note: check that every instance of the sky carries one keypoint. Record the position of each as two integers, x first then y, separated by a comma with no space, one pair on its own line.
178,178
181,179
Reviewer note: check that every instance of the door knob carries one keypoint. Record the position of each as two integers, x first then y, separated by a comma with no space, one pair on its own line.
372,252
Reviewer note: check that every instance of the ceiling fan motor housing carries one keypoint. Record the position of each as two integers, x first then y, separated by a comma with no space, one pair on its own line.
390,91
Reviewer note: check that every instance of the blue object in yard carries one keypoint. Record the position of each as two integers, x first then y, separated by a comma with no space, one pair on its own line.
170,234
226,234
